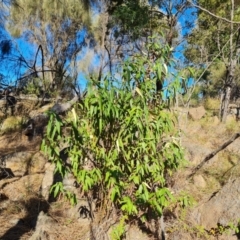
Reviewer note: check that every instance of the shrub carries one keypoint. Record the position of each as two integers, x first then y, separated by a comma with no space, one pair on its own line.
211,103
122,144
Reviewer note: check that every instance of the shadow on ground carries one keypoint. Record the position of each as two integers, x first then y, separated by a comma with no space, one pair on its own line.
33,207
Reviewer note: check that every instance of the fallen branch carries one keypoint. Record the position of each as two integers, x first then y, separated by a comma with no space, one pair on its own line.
212,154
40,121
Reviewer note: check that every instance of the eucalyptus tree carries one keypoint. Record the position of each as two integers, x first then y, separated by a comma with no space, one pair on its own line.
213,48
114,30
4,46
132,22
5,41
58,29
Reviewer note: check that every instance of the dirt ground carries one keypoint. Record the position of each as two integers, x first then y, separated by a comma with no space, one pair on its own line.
19,218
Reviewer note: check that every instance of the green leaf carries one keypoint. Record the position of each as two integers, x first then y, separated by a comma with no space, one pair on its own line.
139,91
100,125
159,72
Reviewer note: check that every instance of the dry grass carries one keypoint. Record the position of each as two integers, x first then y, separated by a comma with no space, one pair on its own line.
204,134
211,103
18,220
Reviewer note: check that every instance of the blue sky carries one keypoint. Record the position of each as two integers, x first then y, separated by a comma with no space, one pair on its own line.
27,50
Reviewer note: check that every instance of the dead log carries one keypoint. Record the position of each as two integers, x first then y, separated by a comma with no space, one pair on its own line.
212,154
36,124
59,108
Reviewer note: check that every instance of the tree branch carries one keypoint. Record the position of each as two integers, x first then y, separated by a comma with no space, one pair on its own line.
209,64
212,154
212,14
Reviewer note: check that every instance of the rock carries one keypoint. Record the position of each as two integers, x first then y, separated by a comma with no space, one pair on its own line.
18,163
37,164
233,111
222,208
70,184
43,109
22,188
227,237
44,228
232,105
196,113
35,126
6,181
199,181
234,147
4,204
178,235
215,120
47,180
135,233
230,119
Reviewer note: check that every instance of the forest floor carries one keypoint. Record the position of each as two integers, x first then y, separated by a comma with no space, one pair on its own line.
18,218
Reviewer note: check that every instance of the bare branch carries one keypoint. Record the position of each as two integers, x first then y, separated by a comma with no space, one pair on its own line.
209,64
212,14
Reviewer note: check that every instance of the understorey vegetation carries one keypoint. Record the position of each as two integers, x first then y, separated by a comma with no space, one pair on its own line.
122,143
113,90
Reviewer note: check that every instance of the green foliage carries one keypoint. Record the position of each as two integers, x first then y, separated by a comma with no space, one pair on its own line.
54,27
33,87
121,144
235,227
132,17
45,13
185,200
132,22
222,229
211,103
209,46
119,230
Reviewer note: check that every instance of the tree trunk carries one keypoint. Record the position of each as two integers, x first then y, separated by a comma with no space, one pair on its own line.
225,98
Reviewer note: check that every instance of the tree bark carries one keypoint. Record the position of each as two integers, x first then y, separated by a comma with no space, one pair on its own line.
225,98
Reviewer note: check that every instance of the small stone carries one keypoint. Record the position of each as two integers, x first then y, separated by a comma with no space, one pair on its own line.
47,179
20,189
215,121
37,164
199,181
196,113
18,163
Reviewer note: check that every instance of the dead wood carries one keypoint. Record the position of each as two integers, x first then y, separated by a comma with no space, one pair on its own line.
212,154
39,121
